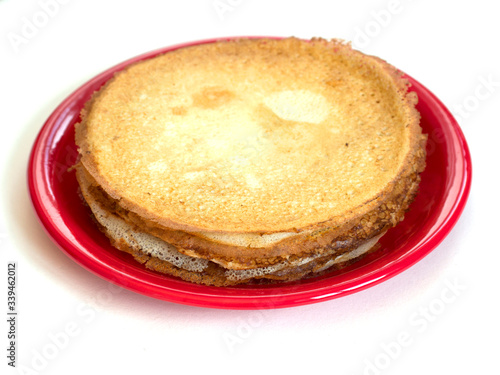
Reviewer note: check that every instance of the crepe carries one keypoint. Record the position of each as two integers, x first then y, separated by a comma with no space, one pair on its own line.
251,154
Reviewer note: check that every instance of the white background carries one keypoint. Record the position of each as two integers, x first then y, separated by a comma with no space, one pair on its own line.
452,47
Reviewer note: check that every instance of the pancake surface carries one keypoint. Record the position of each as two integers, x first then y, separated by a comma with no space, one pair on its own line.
252,151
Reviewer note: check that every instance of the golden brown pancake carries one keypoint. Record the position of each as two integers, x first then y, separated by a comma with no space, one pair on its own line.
254,153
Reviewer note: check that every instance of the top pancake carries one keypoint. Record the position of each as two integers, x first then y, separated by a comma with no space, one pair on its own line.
251,136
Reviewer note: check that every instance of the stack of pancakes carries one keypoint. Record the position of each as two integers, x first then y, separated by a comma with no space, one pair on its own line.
252,159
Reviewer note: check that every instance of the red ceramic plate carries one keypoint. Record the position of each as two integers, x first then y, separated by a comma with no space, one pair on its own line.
54,192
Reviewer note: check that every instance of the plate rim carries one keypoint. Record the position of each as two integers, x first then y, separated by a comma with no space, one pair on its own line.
190,294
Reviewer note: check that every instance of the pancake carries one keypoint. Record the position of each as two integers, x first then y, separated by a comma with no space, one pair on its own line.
342,239
251,154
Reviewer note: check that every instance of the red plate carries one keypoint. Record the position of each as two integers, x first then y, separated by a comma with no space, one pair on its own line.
54,191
